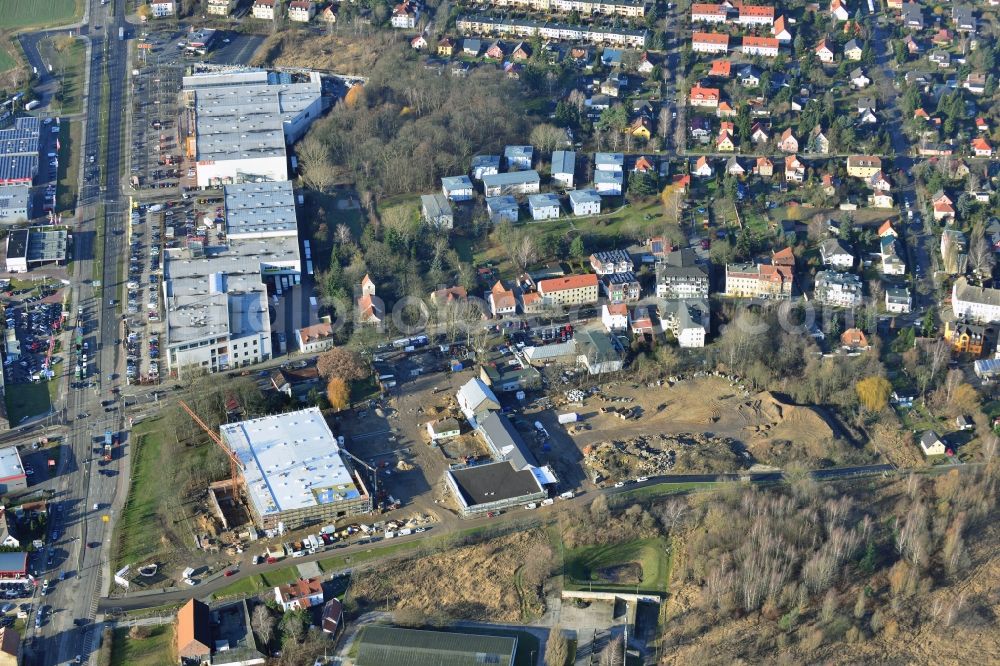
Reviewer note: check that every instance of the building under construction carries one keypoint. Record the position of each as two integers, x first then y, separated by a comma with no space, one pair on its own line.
294,472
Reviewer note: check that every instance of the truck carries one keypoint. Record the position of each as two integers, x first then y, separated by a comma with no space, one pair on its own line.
121,33
33,104
571,417
107,453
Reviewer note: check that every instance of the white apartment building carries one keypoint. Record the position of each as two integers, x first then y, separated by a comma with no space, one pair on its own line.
266,9
161,8
569,290
585,202
842,290
627,8
683,318
979,304
220,7
301,11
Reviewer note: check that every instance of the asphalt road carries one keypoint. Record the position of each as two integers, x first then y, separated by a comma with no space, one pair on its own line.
81,482
205,590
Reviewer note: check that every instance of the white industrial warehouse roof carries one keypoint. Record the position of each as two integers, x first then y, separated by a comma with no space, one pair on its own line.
292,461
10,463
241,115
260,209
223,292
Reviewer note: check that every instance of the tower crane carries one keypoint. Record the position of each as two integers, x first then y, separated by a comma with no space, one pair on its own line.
234,461
371,469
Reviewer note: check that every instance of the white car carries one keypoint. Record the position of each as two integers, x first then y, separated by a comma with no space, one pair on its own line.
620,484
642,479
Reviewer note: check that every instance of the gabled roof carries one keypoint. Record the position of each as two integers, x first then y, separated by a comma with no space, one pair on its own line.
720,68
194,629
568,282
710,38
300,589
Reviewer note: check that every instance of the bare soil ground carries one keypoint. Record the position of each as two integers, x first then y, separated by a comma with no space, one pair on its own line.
477,582
708,422
340,52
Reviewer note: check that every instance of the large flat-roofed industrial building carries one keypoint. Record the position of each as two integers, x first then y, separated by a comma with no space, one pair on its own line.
513,480
12,476
494,486
216,301
35,246
294,471
15,203
237,122
260,210
216,294
19,147
393,646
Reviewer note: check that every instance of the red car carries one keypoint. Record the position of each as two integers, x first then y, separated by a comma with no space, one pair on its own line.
230,572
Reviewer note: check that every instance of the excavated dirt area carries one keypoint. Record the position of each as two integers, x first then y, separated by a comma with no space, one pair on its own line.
705,424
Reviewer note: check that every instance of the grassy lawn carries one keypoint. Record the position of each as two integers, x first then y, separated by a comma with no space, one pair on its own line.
6,59
662,489
53,385
588,565
138,530
601,231
24,400
68,64
70,144
156,650
259,582
26,13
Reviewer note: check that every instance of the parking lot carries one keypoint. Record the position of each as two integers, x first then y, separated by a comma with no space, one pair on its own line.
34,317
156,157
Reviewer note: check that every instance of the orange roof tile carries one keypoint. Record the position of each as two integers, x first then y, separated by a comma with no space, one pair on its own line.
720,67
567,282
768,42
710,38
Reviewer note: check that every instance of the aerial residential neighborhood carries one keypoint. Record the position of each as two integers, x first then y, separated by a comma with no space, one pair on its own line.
522,332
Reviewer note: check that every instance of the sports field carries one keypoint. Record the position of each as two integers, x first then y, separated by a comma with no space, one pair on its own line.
17,14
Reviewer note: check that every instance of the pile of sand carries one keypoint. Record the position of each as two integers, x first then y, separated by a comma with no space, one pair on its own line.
777,431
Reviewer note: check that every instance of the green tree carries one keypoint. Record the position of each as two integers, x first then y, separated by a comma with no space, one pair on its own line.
577,248
614,119
643,185
899,52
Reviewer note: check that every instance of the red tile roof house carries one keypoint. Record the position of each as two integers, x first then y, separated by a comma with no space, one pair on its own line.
763,46
823,52
720,68
709,42
756,15
502,300
299,595
981,147
194,632
707,97
709,13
